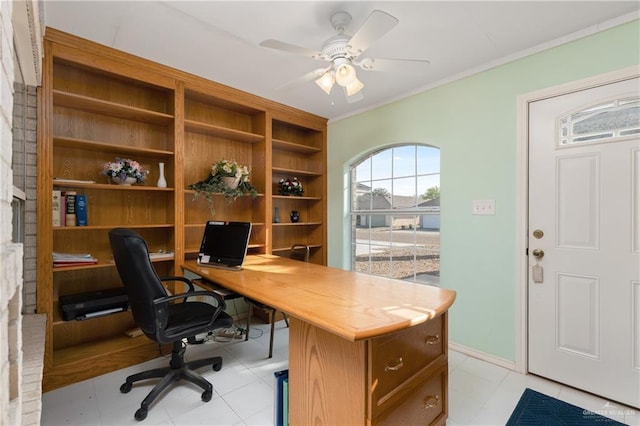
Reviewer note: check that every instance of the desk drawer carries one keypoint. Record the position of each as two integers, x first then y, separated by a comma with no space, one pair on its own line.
426,404
399,356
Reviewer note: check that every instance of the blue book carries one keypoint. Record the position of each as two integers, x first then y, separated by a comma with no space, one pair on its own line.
81,210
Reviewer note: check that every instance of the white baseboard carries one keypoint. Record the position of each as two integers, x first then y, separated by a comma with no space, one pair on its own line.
474,353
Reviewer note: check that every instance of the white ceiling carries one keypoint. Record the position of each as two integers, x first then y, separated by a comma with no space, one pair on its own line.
219,40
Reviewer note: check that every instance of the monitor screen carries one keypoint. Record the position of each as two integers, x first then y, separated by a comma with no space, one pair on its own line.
224,243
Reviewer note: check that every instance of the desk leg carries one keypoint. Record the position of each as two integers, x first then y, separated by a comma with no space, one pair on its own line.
327,377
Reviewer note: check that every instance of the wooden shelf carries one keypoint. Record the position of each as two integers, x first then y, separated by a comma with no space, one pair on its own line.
112,109
202,225
222,132
108,104
295,172
192,192
295,197
101,227
110,186
86,351
311,246
294,147
81,361
60,141
99,265
297,224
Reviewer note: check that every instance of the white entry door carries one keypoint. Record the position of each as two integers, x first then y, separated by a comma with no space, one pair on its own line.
584,240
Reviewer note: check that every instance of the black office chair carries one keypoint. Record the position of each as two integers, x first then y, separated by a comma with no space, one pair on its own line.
297,252
162,319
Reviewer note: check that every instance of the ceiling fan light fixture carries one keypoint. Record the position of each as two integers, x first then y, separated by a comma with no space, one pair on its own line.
326,82
345,74
354,87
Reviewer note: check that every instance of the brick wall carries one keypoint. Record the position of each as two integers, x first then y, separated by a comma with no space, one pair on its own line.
25,114
10,253
20,374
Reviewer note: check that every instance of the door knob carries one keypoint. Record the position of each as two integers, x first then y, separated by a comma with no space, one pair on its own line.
538,253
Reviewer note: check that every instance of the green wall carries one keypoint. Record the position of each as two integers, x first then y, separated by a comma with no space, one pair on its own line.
473,121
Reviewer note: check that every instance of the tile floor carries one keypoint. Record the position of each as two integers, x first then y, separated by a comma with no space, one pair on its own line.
480,393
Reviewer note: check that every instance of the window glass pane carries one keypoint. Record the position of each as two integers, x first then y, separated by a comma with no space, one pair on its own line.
381,165
381,195
404,245
608,120
404,161
428,160
363,171
19,154
404,193
405,187
601,123
17,207
362,196
380,261
428,187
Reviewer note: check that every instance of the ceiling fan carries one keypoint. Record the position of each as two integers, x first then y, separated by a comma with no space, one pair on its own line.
345,52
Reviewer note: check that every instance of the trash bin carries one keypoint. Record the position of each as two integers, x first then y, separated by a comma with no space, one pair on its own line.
281,412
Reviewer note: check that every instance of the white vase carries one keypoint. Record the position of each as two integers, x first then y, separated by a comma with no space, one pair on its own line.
127,182
230,181
162,182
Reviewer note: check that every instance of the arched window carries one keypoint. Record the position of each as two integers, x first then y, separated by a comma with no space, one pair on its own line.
395,213
607,122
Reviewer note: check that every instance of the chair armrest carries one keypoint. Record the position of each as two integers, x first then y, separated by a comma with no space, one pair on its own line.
178,278
220,301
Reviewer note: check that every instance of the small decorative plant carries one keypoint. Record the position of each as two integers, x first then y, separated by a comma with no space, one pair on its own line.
290,187
227,178
123,168
226,168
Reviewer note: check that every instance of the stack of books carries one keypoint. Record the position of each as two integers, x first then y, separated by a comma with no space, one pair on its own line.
73,259
69,208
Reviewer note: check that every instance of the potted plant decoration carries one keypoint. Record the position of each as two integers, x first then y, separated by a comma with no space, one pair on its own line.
227,178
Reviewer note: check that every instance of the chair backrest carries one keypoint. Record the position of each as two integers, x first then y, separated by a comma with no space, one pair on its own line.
300,252
138,275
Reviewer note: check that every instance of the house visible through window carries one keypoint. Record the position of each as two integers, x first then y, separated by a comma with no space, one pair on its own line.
395,213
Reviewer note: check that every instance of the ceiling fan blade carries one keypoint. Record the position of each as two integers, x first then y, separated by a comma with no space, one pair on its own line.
311,75
356,97
291,48
378,23
371,64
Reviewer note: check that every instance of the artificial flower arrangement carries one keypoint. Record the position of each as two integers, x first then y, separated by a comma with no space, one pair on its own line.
226,168
290,187
123,168
227,178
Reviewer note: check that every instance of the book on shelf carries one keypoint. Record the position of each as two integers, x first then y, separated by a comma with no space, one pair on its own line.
56,207
81,210
70,203
73,259
69,264
63,209
161,255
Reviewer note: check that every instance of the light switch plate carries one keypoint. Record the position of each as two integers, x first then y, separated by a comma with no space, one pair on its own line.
483,207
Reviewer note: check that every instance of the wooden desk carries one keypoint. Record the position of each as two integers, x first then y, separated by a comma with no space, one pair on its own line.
362,349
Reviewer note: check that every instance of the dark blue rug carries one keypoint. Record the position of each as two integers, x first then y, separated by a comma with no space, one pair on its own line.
535,409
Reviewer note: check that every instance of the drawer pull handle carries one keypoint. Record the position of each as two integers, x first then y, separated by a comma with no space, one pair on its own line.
431,401
432,340
398,365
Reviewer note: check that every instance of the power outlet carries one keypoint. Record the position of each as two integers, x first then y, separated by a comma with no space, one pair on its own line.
483,207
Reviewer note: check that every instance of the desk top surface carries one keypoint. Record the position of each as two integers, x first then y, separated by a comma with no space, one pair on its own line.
352,305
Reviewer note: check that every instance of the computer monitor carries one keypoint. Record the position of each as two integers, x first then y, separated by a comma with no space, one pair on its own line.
224,244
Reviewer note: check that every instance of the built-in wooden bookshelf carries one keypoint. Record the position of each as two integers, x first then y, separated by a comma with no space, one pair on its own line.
96,104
